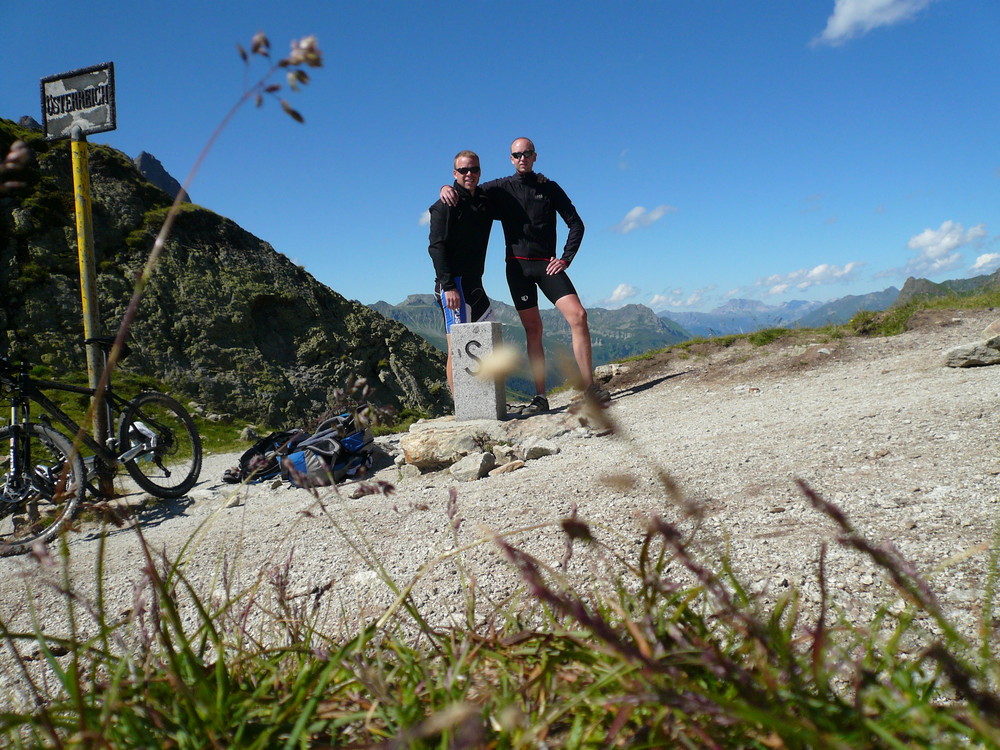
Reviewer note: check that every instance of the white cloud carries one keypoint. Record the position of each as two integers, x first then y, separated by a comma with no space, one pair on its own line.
938,248
986,263
621,293
693,299
853,18
623,163
639,217
824,273
676,298
425,219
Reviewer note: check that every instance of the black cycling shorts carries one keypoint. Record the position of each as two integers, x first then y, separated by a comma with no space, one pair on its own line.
526,277
475,305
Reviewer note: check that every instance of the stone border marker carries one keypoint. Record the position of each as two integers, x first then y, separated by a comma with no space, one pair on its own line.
475,397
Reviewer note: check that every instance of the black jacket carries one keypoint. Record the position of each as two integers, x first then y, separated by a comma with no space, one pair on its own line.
527,209
459,236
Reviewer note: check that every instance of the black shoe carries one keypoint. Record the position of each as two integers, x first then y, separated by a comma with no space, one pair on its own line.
538,405
597,395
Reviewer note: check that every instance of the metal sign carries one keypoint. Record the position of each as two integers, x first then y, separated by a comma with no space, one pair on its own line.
84,98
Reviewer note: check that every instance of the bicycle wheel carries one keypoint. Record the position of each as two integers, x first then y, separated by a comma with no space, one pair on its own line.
163,446
44,492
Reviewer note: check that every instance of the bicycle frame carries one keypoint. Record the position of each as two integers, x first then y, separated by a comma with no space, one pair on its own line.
28,389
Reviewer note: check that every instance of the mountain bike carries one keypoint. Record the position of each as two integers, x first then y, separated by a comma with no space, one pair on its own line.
44,475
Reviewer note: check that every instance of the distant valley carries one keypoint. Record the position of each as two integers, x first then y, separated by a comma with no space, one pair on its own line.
746,316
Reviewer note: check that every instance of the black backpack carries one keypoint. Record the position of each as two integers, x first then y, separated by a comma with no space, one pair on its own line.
262,459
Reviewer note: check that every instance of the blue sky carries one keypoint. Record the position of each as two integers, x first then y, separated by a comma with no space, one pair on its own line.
761,149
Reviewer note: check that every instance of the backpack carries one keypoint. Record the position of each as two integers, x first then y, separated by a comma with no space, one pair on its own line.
336,451
260,460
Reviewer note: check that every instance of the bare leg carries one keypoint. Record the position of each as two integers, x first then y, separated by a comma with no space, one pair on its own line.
531,319
575,314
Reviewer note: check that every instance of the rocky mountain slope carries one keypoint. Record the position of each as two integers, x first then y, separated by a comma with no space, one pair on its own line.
839,311
922,288
226,321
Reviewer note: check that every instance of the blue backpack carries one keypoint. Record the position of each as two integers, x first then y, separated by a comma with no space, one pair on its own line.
337,451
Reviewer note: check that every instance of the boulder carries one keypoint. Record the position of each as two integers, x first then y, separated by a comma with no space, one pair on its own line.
973,355
506,453
605,373
436,445
535,447
473,467
408,471
249,434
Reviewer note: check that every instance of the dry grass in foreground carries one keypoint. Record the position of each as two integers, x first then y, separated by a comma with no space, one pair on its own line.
651,663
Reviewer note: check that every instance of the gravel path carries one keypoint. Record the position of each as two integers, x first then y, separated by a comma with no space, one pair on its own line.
907,447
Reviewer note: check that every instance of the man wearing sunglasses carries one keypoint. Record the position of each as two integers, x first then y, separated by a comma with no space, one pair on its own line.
527,205
459,235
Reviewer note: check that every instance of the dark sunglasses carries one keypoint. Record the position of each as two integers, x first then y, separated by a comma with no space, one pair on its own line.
519,154
466,170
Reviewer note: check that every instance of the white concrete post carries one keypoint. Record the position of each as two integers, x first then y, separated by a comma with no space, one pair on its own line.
476,397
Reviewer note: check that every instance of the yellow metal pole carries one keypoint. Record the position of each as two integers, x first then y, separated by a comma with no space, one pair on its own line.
88,283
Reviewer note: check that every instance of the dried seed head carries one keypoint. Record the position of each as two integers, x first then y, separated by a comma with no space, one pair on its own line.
305,51
260,45
576,529
500,363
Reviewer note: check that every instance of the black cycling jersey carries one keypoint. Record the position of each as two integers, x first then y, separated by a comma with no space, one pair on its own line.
527,209
459,236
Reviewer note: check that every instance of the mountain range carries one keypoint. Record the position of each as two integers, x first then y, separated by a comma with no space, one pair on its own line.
629,330
635,329
747,316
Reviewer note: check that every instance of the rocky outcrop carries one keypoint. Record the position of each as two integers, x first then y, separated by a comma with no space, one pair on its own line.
226,321
477,448
151,168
